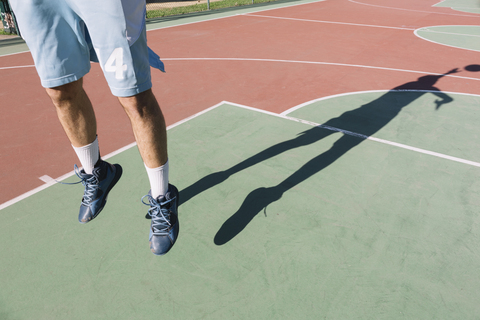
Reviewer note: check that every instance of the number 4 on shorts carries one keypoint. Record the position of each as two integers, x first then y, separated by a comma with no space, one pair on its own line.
115,63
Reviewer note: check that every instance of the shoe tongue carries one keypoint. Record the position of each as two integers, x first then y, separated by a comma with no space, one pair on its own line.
161,199
84,174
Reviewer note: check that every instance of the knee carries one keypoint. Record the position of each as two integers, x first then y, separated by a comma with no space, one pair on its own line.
65,93
141,105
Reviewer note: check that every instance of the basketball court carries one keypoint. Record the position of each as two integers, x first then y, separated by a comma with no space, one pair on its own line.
326,154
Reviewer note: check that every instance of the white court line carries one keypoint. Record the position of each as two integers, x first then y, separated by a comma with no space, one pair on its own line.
332,22
284,115
362,136
395,144
318,63
17,67
413,10
313,62
49,181
46,178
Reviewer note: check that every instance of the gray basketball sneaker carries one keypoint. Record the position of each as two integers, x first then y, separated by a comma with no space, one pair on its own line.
164,227
97,186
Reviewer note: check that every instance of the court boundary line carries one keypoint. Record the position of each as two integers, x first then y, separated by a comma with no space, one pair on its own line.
310,62
387,142
331,22
51,181
283,115
17,67
362,136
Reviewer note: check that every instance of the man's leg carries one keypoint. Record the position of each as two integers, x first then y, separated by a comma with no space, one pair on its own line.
149,128
75,112
77,117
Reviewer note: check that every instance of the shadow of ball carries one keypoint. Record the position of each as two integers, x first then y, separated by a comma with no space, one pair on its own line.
473,68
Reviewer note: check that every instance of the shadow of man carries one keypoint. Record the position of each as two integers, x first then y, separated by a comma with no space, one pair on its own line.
366,120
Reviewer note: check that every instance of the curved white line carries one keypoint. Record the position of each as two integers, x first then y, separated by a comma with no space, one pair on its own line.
318,63
286,112
439,43
412,10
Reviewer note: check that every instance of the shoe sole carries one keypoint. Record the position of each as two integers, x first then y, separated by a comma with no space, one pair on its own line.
118,175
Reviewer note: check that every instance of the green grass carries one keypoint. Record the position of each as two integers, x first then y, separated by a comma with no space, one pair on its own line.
200,7
4,33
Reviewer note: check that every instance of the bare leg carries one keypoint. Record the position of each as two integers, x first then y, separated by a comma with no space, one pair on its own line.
75,112
148,126
150,132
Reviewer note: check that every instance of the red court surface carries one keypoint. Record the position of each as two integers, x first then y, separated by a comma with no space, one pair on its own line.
271,60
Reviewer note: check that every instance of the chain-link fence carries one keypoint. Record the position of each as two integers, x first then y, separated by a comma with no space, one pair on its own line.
8,24
161,8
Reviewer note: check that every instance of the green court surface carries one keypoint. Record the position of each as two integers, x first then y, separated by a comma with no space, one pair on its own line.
464,37
278,220
470,6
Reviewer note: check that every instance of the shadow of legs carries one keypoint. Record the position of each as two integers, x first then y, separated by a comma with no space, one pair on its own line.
260,198
256,200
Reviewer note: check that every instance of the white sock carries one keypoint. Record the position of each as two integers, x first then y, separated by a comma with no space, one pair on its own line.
88,155
158,180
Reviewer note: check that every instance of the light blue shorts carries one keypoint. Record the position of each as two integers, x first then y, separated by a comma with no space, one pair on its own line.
65,35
